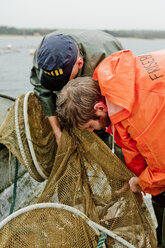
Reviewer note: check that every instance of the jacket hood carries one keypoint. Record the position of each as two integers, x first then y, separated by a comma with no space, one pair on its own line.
116,77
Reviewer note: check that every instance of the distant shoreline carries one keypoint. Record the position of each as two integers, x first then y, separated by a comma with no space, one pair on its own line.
40,36
124,33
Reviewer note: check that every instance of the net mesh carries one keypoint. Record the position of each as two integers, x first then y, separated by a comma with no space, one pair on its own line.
48,227
13,136
82,173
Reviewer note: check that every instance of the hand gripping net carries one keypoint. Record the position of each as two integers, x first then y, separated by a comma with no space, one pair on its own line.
83,173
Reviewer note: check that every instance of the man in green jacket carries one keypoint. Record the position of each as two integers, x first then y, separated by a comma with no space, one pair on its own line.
62,56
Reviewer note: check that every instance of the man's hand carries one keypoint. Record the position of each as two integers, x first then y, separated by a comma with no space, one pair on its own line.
125,188
133,183
55,127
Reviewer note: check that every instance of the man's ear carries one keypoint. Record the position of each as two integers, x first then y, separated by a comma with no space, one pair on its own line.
100,106
80,62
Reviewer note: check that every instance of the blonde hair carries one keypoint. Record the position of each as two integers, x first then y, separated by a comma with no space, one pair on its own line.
75,103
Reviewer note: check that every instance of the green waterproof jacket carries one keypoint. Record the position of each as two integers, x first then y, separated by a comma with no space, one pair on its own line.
94,46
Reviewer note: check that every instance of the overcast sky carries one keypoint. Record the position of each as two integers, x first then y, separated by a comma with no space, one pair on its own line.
90,14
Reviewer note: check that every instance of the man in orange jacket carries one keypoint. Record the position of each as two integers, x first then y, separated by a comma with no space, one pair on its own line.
127,95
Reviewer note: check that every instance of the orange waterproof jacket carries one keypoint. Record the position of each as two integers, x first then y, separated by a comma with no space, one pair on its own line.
137,84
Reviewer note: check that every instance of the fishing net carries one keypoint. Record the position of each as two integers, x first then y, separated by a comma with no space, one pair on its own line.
46,226
27,134
82,173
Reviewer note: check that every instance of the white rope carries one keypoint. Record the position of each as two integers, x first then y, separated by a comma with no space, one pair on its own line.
19,137
28,136
96,227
